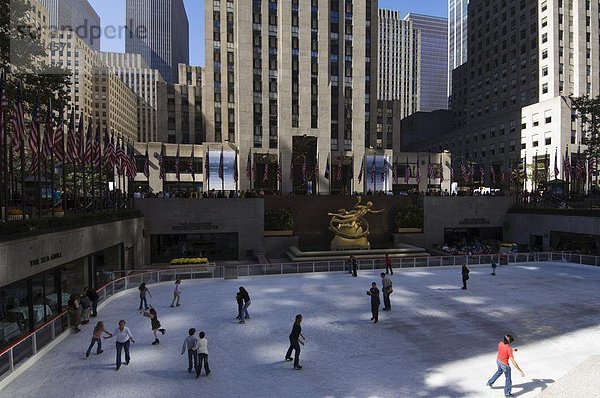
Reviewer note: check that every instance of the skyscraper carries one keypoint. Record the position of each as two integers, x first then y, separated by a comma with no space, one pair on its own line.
434,61
160,33
457,36
293,81
75,15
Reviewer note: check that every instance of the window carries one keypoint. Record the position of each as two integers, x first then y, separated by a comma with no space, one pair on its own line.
548,116
545,88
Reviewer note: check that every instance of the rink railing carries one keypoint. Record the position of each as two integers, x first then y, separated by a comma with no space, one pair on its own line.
19,352
28,346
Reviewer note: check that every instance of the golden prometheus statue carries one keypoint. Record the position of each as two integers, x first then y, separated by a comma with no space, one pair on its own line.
350,227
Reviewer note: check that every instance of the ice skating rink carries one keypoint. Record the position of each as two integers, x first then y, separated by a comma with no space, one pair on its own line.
438,340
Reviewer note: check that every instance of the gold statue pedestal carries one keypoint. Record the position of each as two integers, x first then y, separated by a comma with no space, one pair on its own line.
339,242
350,228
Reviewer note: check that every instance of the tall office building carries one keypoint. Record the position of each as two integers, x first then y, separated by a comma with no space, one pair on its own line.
75,15
399,61
160,33
457,36
293,82
434,61
143,81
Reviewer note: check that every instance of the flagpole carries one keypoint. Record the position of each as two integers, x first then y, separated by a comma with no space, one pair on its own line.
52,171
64,178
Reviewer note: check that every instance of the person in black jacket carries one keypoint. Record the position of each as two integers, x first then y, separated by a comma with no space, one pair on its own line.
244,313
465,276
295,341
93,295
375,302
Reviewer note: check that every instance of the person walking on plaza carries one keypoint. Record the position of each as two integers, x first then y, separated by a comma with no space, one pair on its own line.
246,298
86,308
388,264
202,355
505,353
124,338
97,338
74,312
155,324
349,264
240,304
94,297
191,344
143,292
354,265
386,283
176,294
375,302
296,338
494,268
465,276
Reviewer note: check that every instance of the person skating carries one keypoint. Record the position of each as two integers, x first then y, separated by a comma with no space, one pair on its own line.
94,297
505,353
354,266
386,284
246,298
176,294
202,355
375,302
86,308
296,339
240,304
97,338
191,344
494,265
74,312
155,324
465,276
143,293
124,338
388,264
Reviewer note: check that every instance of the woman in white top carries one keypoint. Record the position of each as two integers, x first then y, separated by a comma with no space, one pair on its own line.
202,354
124,337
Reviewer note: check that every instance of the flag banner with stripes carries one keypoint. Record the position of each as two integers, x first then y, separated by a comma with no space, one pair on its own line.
236,173
249,166
395,171
221,166
525,167
279,170
48,135
430,175
328,170
106,148
407,172
373,167
452,179
79,140
464,171
147,164
418,171
207,164
590,166
132,165
317,167
3,107
89,142
191,167
292,169
502,177
441,170
161,163
361,173
96,148
254,172
177,171
482,174
556,171
339,169
119,155
18,121
567,166
493,174
71,145
535,168
546,166
111,153
384,170
34,138
304,175
58,146
580,172
266,172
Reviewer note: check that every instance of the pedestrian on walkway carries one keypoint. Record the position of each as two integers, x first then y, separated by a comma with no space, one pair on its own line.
97,338
465,276
94,297
388,264
240,304
202,355
494,268
386,283
354,265
349,264
124,338
191,344
143,292
296,339
86,308
505,353
176,294
375,302
246,299
155,324
74,312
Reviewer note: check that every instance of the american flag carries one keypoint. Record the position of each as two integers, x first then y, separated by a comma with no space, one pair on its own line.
221,166
546,166
418,176
79,140
58,145
48,135
304,176
96,148
373,170
254,172
34,138
249,166
317,167
525,167
535,168
71,145
590,166
191,161
482,174
132,165
384,170
266,172
110,153
279,171
451,172
18,121
362,170
207,164
556,171
125,159
161,163
502,177
292,169
567,166
339,170
106,144
441,170
177,171
3,106
395,171
430,175
580,168
493,174
119,155
407,172
236,173
147,163
464,170
328,170
89,143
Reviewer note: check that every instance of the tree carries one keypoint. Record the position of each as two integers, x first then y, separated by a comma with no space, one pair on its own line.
588,111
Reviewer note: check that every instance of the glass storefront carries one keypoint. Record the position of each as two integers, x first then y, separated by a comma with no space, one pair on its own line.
222,246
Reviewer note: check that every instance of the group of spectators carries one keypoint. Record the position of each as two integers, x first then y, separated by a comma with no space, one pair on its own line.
472,249
82,306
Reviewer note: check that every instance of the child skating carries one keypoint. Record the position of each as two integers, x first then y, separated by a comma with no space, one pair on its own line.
155,324
143,293
244,312
202,355
296,339
191,344
176,294
97,338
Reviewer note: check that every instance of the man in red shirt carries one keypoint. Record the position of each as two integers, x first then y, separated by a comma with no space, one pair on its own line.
505,352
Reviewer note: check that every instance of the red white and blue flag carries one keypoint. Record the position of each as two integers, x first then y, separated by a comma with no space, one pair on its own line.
177,170
362,170
71,143
3,106
191,161
48,135
221,166
34,147
147,163
266,172
58,146
18,121
407,172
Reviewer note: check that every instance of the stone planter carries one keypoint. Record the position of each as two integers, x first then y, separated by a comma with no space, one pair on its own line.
410,230
279,233
15,217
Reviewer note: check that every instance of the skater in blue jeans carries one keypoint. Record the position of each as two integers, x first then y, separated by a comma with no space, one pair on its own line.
505,353
124,338
96,338
143,292
246,299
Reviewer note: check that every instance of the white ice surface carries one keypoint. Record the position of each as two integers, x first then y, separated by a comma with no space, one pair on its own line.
438,341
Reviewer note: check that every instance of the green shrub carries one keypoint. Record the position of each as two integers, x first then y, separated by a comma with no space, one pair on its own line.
409,217
279,220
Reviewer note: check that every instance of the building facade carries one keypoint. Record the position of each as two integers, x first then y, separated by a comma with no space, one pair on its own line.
143,81
313,66
160,33
457,36
399,62
434,61
77,16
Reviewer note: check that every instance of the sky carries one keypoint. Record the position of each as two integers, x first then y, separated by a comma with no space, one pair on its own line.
112,13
